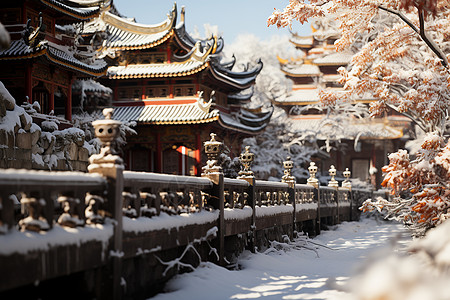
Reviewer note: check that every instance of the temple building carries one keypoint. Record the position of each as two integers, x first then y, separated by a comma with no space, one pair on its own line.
365,142
176,88
44,60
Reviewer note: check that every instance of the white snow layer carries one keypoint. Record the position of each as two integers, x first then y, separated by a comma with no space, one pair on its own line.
291,274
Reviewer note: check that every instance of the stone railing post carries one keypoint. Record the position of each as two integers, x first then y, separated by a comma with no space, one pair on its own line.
213,171
288,165
348,185
334,184
314,182
110,165
246,158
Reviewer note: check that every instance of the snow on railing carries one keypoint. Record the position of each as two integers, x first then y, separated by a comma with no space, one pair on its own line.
29,199
147,194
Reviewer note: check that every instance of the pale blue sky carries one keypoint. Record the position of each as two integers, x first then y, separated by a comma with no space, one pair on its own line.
233,17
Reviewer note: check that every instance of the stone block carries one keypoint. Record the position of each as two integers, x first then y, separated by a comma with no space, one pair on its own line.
35,135
23,140
72,149
83,154
79,165
7,138
20,164
61,165
25,121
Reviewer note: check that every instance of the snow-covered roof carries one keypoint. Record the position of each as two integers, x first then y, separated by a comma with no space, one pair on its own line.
298,70
301,40
350,129
165,114
81,10
233,123
156,70
337,58
55,53
124,34
306,96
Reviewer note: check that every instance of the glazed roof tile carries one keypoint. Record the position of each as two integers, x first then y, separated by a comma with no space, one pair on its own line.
334,59
156,70
19,50
81,13
301,70
165,114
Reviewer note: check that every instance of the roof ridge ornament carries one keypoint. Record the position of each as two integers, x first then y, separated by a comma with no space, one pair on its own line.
33,37
205,107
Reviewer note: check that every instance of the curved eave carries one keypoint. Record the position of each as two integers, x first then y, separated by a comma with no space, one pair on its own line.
183,38
72,65
238,75
140,46
70,11
209,120
161,75
239,127
324,64
137,28
75,64
299,75
293,103
258,121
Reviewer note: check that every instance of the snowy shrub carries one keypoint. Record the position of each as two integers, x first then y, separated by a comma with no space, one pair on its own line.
420,273
420,186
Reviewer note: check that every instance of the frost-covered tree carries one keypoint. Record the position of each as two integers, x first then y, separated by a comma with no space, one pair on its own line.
279,140
402,62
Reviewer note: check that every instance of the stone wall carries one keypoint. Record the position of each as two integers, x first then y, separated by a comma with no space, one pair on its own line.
27,145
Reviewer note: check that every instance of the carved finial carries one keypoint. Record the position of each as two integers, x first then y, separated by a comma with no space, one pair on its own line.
108,113
246,158
312,180
347,184
106,131
332,172
288,165
213,149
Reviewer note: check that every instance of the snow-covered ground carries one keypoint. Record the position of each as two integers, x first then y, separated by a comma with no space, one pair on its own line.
293,272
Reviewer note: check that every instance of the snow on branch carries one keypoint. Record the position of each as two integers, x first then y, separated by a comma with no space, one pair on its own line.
178,263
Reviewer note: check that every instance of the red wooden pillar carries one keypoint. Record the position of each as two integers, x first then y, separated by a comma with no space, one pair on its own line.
198,160
158,153
69,101
51,104
29,83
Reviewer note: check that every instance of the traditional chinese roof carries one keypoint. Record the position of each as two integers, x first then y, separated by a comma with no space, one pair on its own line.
302,41
186,41
166,114
238,80
301,70
156,70
192,63
125,34
235,123
350,129
299,97
337,58
241,97
56,54
80,10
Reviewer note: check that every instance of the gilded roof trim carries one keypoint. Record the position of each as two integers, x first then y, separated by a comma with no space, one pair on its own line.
140,28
